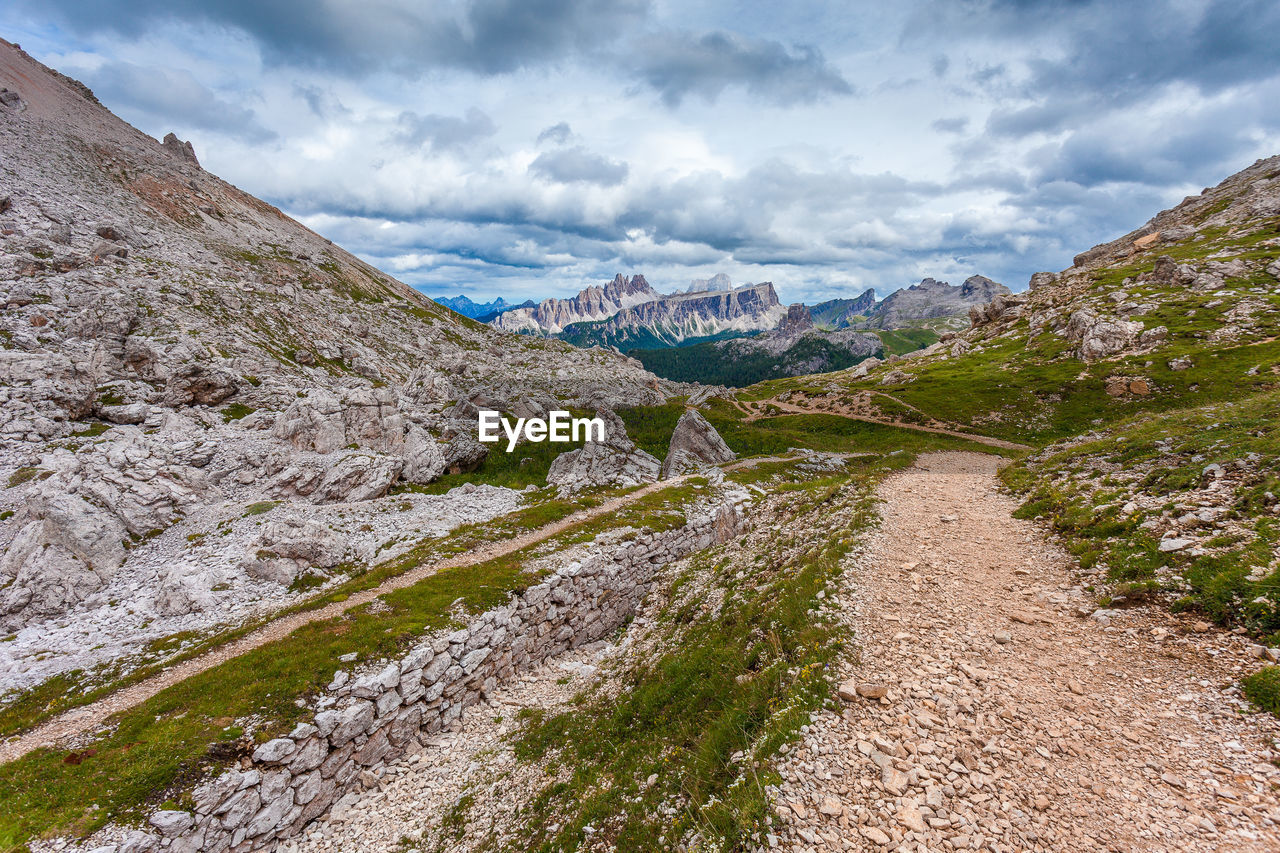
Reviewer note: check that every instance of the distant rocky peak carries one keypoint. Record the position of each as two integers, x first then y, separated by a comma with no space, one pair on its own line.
719,281
797,320
622,286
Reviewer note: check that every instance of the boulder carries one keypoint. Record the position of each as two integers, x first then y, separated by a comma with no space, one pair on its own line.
1042,279
200,385
187,589
358,477
616,461
307,542
424,460
313,423
695,446
1100,337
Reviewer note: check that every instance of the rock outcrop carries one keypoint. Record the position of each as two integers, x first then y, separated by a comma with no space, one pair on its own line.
671,320
695,447
592,304
932,299
616,461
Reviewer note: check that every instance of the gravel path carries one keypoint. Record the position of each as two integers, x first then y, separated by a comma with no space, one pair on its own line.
1010,721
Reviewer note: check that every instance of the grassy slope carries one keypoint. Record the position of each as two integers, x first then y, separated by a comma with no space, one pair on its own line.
1159,463
727,689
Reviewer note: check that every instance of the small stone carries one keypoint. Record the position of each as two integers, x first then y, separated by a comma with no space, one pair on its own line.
171,823
1003,637
910,817
895,780
875,835
831,807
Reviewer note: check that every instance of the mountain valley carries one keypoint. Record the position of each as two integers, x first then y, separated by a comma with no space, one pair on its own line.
961,568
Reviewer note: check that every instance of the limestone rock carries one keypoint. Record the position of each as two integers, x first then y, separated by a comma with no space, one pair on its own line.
616,461
695,446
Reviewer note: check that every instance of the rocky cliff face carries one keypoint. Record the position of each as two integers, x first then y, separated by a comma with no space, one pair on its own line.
673,319
551,316
173,350
932,299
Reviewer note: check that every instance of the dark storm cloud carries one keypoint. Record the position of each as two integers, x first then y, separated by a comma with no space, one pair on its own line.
484,36
174,96
578,165
1099,55
678,65
441,132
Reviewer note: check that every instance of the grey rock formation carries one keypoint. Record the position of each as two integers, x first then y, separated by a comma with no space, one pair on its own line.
932,299
671,320
1100,336
719,281
616,461
695,447
843,313
591,304
265,362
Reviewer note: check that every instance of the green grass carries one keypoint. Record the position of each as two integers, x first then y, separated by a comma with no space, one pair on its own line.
164,744
737,681
22,475
1262,688
903,341
650,427
235,412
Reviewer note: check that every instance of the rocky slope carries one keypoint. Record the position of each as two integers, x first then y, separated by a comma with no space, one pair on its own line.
551,316
190,380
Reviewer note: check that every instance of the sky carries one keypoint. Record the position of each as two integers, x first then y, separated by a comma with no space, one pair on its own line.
529,148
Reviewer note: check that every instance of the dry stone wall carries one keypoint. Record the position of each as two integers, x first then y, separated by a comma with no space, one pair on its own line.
377,714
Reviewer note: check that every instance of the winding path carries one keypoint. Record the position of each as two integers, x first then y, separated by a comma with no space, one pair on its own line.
1008,721
79,721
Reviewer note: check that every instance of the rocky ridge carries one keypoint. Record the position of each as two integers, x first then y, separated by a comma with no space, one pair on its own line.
671,320
551,316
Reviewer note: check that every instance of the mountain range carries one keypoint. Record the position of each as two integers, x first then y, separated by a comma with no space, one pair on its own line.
482,311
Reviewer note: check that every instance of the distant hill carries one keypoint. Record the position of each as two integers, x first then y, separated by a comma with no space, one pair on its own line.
843,313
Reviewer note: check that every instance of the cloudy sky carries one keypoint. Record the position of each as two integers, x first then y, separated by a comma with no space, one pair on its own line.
526,148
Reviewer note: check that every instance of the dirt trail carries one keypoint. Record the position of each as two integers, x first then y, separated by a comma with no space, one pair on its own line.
801,410
78,721
1011,722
